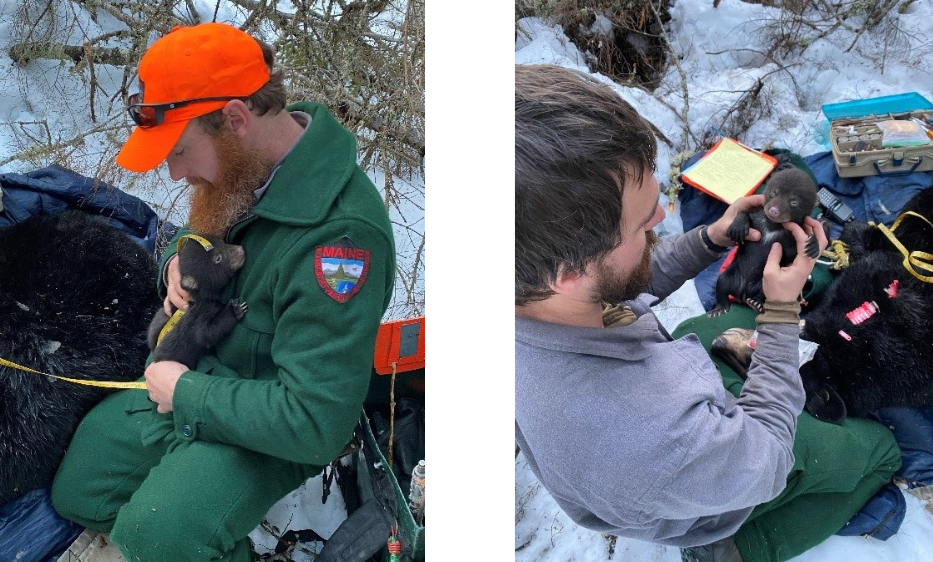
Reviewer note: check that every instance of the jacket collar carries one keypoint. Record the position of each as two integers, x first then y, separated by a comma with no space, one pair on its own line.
313,174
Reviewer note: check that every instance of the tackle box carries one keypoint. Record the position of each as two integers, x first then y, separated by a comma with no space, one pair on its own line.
856,139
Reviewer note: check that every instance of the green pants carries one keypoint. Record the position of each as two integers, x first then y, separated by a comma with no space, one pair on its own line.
837,468
165,498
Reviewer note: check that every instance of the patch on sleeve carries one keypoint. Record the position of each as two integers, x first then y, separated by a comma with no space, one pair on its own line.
341,268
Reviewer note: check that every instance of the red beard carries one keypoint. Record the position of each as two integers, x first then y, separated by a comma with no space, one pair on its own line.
216,206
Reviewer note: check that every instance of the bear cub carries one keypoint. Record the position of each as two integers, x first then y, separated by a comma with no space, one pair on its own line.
207,264
790,196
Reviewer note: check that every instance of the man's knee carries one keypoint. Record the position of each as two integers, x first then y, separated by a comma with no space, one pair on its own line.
71,500
151,530
97,473
63,500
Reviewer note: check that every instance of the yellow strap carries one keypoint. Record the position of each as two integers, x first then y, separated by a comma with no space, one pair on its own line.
169,325
920,260
199,239
106,384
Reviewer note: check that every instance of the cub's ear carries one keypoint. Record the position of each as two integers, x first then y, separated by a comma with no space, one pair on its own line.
824,403
188,282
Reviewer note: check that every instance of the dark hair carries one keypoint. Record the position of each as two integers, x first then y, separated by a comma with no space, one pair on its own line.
577,146
271,97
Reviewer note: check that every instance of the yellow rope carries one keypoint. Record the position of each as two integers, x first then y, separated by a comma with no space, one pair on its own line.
912,260
106,384
838,252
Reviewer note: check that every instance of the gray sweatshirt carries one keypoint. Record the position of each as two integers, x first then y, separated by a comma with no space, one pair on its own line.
634,434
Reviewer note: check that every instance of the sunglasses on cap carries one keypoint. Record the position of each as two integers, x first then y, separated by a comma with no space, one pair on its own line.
147,115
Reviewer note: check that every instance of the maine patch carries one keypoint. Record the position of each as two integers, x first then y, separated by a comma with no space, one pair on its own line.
341,268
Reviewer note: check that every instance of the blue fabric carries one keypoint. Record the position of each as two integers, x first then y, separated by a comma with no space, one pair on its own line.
913,429
872,198
52,190
881,517
31,530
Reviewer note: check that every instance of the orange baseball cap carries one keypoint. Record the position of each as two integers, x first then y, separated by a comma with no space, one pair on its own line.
210,60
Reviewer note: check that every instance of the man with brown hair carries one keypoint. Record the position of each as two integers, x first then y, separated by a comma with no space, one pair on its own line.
629,429
186,470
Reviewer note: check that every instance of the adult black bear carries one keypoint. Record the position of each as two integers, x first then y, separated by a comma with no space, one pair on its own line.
207,264
874,324
75,294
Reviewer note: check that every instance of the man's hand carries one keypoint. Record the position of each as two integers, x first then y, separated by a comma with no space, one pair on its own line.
784,284
175,296
161,378
717,230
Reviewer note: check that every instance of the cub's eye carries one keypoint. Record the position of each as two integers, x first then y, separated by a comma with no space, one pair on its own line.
794,203
218,258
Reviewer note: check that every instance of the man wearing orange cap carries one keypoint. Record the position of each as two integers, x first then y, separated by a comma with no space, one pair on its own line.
187,470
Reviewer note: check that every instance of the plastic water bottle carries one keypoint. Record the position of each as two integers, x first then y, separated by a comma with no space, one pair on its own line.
416,496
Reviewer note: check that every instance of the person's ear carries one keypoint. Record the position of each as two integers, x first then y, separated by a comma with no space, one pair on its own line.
567,281
238,116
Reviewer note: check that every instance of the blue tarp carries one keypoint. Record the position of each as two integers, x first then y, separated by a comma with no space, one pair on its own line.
52,190
31,530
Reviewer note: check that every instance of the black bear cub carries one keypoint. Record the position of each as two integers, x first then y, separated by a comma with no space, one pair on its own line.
790,196
207,264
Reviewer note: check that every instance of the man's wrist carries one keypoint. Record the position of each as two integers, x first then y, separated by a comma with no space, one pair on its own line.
708,242
779,312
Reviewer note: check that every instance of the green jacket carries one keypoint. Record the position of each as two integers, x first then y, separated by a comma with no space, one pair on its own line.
290,379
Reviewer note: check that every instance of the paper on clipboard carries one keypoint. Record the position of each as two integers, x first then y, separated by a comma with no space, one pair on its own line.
729,170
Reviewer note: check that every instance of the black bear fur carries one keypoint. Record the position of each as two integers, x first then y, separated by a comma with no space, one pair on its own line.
204,273
75,294
790,196
889,361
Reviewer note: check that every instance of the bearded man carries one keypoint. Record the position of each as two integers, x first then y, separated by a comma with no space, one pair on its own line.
189,469
628,428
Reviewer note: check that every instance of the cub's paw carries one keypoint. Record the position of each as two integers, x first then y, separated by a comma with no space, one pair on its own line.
737,234
738,230
813,247
718,311
239,308
755,304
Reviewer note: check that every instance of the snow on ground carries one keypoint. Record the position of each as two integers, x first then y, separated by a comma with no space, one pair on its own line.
723,52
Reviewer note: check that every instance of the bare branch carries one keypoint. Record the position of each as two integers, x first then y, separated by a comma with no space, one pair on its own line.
24,53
